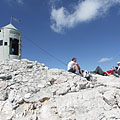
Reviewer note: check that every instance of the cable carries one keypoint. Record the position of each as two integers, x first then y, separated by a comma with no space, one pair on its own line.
48,53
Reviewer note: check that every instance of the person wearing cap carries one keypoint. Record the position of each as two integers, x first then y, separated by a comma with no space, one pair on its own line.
118,63
115,72
73,66
118,70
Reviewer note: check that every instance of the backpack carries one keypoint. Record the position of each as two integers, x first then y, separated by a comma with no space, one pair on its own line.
85,74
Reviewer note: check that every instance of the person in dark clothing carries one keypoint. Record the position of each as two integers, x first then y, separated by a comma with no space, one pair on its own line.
98,70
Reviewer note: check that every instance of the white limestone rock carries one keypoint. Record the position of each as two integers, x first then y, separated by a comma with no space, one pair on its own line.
3,95
31,91
5,76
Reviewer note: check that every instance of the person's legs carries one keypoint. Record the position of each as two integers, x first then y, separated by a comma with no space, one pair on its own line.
99,71
80,71
75,67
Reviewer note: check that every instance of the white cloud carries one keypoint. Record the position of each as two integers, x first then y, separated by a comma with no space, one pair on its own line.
86,10
17,1
105,60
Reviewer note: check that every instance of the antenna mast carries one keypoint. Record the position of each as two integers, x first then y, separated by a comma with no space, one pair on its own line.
11,19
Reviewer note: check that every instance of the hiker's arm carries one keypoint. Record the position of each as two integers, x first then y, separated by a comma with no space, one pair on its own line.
107,73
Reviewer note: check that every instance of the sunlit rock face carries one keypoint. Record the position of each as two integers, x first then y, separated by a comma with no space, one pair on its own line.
31,91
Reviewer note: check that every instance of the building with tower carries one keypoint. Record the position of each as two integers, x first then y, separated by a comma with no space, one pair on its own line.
10,43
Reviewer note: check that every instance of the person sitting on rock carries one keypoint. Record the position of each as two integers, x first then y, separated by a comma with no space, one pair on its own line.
118,70
115,72
73,66
99,71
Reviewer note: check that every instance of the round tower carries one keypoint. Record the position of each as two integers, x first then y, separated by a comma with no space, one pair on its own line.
10,43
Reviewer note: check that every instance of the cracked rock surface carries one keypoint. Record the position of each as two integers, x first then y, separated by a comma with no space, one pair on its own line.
31,91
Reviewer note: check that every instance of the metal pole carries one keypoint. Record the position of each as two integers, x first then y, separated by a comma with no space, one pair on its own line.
11,19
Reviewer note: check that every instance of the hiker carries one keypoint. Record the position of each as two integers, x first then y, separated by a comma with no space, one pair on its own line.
115,72
74,67
99,71
118,70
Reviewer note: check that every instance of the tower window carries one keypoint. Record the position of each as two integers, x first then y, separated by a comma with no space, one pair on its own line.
5,43
0,30
14,46
1,42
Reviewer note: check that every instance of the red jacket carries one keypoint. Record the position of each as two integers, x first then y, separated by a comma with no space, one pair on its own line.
110,72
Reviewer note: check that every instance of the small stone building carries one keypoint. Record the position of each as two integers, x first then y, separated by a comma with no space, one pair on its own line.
10,43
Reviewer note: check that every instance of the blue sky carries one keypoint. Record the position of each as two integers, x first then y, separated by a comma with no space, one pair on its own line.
86,29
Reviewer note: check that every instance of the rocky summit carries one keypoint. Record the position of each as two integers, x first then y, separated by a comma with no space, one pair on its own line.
31,91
